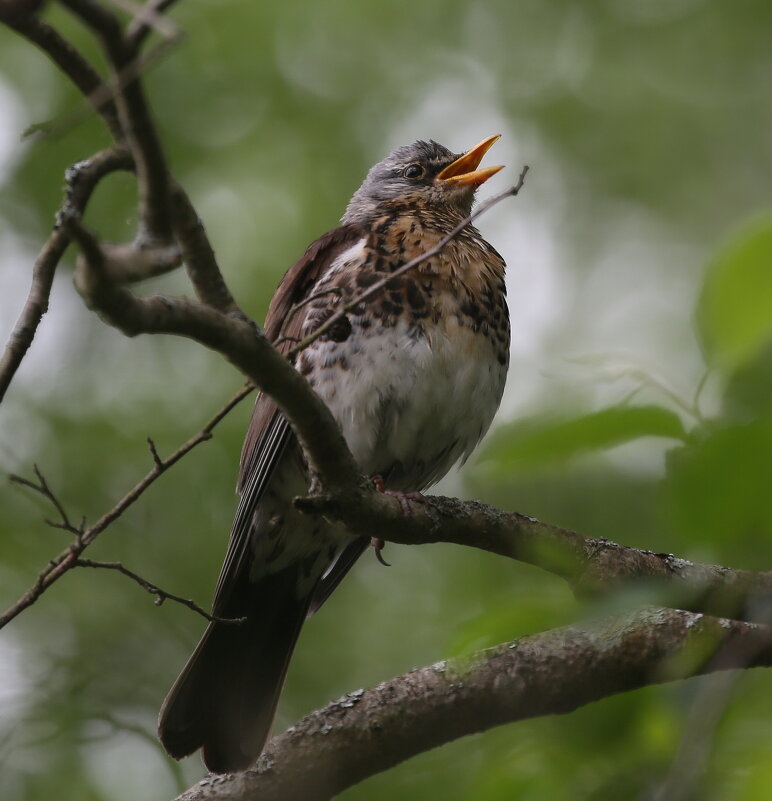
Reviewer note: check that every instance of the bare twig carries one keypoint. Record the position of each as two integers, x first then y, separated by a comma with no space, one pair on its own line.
70,61
153,177
147,16
153,589
67,559
34,308
128,264
281,339
154,453
82,179
147,20
41,486
375,288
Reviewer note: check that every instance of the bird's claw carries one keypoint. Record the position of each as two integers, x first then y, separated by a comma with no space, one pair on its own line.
378,546
403,498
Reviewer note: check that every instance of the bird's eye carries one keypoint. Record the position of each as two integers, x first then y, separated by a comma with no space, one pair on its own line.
413,171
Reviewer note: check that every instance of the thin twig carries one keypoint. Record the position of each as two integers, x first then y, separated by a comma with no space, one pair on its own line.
153,177
379,285
154,453
41,486
106,92
147,16
67,559
333,290
144,22
153,589
81,180
70,61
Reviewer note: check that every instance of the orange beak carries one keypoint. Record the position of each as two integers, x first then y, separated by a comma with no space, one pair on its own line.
463,171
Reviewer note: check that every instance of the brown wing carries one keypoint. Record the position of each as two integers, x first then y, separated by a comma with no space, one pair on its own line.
269,434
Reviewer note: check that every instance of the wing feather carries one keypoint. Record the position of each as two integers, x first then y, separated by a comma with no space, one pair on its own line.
269,435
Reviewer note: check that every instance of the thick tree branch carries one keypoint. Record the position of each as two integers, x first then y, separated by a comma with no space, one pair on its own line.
198,255
555,672
590,564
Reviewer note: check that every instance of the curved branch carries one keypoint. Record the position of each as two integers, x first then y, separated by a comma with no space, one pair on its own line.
238,339
69,60
153,179
198,255
81,179
369,731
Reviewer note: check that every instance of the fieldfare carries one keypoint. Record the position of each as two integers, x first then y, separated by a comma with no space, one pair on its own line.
413,376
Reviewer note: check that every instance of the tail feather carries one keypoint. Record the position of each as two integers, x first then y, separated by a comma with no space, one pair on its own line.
225,698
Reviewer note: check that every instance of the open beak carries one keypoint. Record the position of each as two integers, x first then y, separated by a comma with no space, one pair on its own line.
463,171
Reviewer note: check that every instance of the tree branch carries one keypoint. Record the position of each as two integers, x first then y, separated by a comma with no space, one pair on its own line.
238,339
154,589
68,558
198,255
589,564
81,180
369,731
153,179
69,60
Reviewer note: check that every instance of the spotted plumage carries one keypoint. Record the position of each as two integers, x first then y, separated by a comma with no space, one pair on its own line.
413,376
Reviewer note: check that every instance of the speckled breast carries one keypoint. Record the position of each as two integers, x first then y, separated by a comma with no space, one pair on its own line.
414,375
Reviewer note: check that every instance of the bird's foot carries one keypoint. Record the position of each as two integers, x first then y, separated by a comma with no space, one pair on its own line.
404,499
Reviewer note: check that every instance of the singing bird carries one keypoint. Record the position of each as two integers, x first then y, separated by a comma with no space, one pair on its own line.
413,377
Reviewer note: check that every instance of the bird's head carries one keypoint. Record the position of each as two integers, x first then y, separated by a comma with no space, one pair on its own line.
424,173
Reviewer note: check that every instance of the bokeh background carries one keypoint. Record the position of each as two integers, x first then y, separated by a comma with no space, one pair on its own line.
638,404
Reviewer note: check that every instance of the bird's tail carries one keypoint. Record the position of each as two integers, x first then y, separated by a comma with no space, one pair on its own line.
225,698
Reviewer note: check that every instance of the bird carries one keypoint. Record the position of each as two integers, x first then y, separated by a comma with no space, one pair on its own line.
413,376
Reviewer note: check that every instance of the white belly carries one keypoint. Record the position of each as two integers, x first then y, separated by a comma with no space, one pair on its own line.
410,407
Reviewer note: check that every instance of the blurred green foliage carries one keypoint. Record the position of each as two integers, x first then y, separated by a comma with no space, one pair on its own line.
640,255
735,310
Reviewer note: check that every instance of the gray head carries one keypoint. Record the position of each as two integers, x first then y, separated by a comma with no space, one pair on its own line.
424,173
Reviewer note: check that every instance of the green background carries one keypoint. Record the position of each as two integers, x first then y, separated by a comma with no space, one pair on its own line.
640,257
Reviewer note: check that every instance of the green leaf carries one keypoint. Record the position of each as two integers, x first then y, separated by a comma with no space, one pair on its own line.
734,313
718,492
546,440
